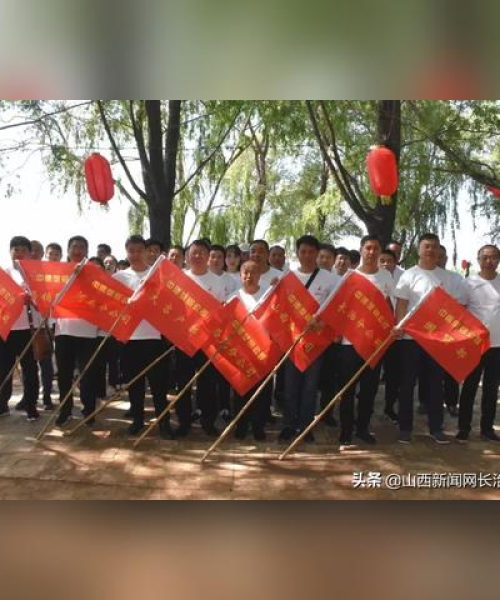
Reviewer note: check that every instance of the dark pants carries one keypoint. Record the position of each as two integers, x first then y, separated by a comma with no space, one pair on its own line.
489,368
257,414
412,357
279,387
206,389
350,362
136,356
451,391
301,390
74,352
392,369
223,392
47,371
330,375
9,351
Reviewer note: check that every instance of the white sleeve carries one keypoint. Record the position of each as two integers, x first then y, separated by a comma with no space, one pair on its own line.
403,289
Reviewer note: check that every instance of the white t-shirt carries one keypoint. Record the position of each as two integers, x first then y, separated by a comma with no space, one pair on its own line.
22,322
458,288
398,271
211,283
416,282
229,285
249,300
132,279
266,278
484,303
384,281
237,279
322,286
76,327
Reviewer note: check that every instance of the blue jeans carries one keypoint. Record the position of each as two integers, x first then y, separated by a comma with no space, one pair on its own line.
301,390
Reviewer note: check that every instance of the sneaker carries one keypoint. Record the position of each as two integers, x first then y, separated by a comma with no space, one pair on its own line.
166,432
128,414
48,407
271,419
33,416
90,422
309,438
490,436
211,431
391,415
196,415
404,437
182,431
453,410
135,428
330,421
345,443
440,438
225,416
366,437
62,420
462,437
259,435
4,411
286,434
240,433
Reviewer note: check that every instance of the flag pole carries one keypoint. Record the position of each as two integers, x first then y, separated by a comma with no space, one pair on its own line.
37,330
353,379
95,353
119,393
196,376
249,403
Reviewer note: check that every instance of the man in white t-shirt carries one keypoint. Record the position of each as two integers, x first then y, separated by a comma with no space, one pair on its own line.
144,347
412,287
17,340
206,387
350,361
301,389
76,342
484,303
397,248
259,253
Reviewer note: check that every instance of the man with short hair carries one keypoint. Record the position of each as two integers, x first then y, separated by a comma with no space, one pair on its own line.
397,248
37,251
18,339
53,252
342,261
154,249
259,253
413,285
277,257
326,257
176,255
143,348
484,303
103,251
301,389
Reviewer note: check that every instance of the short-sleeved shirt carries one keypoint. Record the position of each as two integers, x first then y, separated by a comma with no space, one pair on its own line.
249,300
210,282
323,285
484,303
268,277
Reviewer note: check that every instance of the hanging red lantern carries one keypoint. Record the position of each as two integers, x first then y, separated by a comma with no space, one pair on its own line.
465,264
382,171
99,180
495,191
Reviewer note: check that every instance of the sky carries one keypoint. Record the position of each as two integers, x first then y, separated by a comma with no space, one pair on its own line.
38,212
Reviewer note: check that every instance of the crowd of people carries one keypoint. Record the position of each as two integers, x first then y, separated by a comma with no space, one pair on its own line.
293,396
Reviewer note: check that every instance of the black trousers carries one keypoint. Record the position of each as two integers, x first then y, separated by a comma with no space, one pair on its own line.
412,358
75,352
489,369
258,412
451,391
330,374
392,369
279,387
9,351
206,389
136,356
223,391
350,362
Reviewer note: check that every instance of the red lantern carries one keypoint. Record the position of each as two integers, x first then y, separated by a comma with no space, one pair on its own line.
100,183
382,171
495,191
465,264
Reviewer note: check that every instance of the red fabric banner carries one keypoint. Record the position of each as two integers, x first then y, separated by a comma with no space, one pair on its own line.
12,303
286,313
45,280
360,313
99,299
175,305
239,346
445,329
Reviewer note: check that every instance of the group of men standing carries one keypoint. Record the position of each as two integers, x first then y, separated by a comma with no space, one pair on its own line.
249,273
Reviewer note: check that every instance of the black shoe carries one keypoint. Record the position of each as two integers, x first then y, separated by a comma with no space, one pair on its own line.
33,415
225,415
404,437
259,435
286,434
391,415
240,433
135,428
211,431
166,432
183,430
90,422
48,407
271,419
453,410
330,421
128,414
196,415
4,411
21,405
490,436
62,419
462,437
309,438
367,437
440,438
345,442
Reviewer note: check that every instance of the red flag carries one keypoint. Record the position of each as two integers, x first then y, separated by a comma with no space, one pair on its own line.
449,333
285,313
11,303
239,346
99,299
360,312
45,281
176,305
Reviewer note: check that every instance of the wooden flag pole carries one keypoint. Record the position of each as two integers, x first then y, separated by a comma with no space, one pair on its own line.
248,404
118,394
